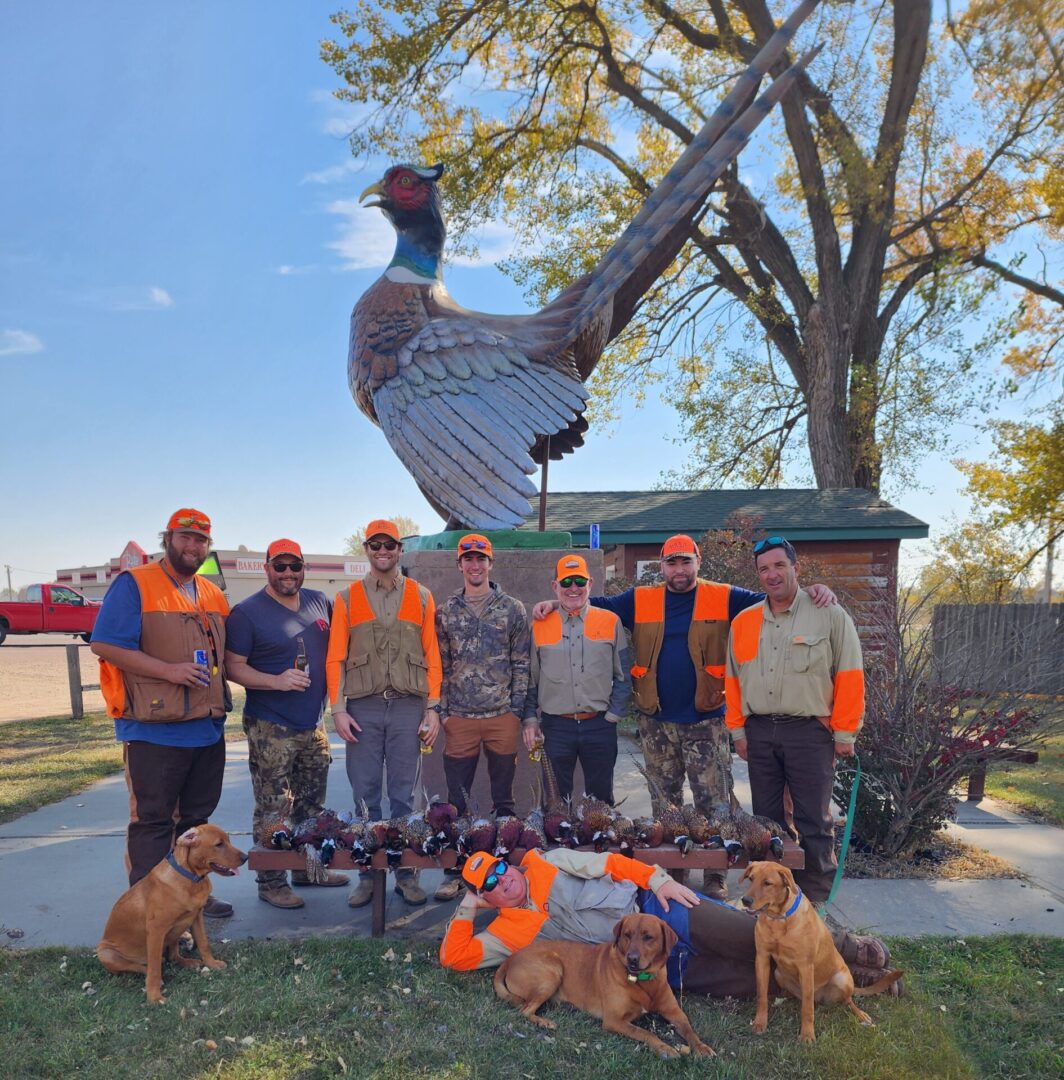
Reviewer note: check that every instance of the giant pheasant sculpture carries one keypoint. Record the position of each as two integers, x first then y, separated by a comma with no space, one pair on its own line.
470,402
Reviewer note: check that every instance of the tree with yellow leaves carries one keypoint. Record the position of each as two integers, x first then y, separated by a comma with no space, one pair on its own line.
831,281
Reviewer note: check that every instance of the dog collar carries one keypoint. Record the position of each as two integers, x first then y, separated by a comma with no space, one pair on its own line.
182,871
643,976
787,914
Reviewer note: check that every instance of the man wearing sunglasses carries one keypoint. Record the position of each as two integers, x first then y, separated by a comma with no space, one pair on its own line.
579,687
383,670
275,646
795,691
484,643
160,637
563,895
679,634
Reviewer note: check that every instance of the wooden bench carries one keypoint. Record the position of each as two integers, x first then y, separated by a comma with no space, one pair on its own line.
668,858
977,777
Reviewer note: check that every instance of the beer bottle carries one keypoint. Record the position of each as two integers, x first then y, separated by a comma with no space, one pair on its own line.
302,663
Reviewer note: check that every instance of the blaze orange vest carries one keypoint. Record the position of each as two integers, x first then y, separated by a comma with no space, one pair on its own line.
172,629
707,640
385,657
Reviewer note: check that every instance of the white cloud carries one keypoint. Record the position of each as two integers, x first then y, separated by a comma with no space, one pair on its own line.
159,297
286,269
19,343
125,298
333,174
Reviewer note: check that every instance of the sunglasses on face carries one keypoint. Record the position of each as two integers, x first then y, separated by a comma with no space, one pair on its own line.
376,545
281,567
571,580
493,878
769,542
468,545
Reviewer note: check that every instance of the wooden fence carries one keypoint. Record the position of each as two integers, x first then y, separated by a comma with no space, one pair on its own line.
1000,647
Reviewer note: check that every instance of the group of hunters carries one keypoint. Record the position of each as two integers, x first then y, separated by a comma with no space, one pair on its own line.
779,673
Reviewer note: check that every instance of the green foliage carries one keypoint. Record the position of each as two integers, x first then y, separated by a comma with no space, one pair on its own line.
406,525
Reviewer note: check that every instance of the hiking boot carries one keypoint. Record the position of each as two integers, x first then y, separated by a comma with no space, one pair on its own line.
408,888
332,878
281,897
867,976
715,886
362,894
864,950
217,909
449,888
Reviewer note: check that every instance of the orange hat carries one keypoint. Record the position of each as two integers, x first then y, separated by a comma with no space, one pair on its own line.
570,564
381,527
680,545
188,520
478,866
283,547
474,542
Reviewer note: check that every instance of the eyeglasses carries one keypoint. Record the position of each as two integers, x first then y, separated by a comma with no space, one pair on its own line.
770,542
468,545
493,878
571,580
281,567
376,545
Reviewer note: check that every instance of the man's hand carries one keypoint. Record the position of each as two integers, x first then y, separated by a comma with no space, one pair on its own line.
612,718
844,749
345,725
531,734
189,674
673,890
740,748
821,595
291,679
543,609
430,727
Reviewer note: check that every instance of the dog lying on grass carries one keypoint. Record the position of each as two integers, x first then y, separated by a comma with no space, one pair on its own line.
615,982
150,917
790,932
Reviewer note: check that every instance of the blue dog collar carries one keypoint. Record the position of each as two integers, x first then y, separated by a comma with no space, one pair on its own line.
182,871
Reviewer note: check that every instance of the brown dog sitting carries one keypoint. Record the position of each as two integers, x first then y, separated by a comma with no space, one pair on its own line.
790,932
615,982
151,916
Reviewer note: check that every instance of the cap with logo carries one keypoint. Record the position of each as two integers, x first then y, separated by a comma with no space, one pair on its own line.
283,547
477,868
571,564
680,547
473,543
189,520
382,527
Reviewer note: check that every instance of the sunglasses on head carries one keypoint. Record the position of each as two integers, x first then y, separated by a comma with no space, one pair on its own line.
188,522
468,545
769,542
573,579
493,878
376,545
281,567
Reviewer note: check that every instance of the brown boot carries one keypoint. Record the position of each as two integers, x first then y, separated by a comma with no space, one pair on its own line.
449,888
281,897
217,909
714,885
332,878
408,888
362,894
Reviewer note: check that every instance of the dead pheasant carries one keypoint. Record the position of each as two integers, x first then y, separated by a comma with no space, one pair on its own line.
622,833
758,835
648,832
508,832
557,814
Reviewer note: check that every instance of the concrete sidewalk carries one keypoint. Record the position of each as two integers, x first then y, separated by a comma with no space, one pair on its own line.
62,870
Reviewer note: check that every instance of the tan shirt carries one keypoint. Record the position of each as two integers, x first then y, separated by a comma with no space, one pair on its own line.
805,661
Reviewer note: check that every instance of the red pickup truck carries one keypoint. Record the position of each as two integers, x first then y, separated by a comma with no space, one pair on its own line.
49,609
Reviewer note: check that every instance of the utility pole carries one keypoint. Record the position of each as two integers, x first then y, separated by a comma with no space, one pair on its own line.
10,592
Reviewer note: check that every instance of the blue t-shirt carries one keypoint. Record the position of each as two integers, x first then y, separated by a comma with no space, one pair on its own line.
676,672
265,631
119,624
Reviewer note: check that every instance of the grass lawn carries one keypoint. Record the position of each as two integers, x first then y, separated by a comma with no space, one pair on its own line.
1037,789
344,1007
43,761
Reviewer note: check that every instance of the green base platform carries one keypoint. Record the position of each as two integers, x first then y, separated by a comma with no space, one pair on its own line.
501,540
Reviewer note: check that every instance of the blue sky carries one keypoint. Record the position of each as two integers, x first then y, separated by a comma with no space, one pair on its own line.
180,250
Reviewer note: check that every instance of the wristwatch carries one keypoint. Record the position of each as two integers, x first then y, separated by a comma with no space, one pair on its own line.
438,709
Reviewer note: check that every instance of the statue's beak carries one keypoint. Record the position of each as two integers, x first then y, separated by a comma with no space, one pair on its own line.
373,189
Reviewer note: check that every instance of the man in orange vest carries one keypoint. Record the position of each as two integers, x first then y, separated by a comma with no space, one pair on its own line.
160,637
384,675
579,684
679,645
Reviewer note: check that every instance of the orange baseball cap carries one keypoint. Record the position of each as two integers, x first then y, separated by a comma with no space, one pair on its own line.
474,542
570,564
283,547
478,866
680,545
382,527
188,520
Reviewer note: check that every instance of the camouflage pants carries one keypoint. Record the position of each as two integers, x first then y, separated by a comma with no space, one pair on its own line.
289,770
700,752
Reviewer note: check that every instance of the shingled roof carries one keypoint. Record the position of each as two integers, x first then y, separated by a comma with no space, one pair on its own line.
635,517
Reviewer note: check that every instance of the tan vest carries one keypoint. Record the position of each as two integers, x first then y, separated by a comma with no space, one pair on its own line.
172,629
383,657
707,640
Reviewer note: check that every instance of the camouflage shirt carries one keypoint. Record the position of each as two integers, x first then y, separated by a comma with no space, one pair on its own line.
486,658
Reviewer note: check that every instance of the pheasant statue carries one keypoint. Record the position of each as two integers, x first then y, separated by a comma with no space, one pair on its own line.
471,402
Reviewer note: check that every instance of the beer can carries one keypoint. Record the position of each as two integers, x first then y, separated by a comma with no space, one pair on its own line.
199,656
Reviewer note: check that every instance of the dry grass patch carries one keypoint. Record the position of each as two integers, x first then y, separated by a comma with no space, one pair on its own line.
945,857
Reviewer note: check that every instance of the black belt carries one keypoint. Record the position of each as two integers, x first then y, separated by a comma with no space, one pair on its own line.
778,718
392,695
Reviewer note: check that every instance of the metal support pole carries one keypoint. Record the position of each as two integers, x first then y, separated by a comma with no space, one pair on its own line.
543,487
77,703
